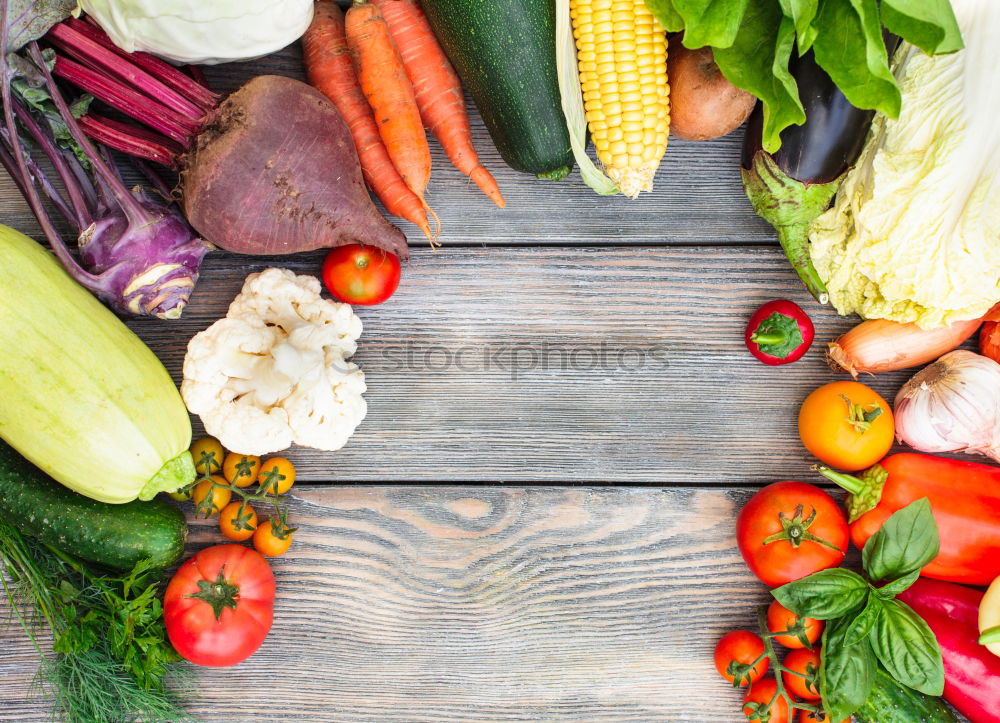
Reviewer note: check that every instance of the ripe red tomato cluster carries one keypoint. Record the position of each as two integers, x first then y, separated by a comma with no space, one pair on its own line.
743,659
786,531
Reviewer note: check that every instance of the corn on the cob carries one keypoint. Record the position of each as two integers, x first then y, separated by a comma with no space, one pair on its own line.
622,55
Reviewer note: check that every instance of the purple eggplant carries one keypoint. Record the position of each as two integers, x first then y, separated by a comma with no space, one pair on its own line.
792,186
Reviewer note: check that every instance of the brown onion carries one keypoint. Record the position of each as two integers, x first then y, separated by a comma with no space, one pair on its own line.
880,345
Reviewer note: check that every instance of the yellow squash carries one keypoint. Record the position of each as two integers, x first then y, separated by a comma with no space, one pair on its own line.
80,395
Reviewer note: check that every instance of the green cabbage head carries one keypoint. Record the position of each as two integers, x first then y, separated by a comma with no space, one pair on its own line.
202,31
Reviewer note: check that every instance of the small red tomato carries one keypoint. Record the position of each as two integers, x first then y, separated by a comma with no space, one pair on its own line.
363,275
762,703
739,657
219,605
802,674
780,619
789,530
779,332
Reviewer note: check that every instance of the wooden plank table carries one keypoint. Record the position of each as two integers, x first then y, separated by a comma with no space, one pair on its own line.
535,521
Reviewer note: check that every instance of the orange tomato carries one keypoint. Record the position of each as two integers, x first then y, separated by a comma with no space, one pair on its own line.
216,487
276,476
272,538
241,469
846,425
238,521
780,619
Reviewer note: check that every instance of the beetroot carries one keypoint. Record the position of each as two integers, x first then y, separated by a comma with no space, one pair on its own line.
282,149
271,169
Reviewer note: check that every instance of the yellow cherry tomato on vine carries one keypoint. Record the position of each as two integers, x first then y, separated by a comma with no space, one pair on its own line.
241,469
276,476
272,538
238,521
211,495
207,454
846,425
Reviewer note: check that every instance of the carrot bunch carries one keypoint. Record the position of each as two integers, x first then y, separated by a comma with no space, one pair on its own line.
387,75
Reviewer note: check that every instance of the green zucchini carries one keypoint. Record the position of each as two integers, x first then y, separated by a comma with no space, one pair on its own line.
891,702
505,53
115,536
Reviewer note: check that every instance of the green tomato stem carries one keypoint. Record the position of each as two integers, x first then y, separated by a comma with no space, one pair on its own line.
764,339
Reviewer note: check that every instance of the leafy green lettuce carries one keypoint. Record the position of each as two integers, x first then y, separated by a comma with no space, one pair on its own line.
753,41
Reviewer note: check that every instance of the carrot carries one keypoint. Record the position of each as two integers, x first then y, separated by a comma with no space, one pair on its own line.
437,90
331,71
389,93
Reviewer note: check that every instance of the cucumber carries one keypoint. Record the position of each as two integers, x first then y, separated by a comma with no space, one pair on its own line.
505,53
115,536
891,702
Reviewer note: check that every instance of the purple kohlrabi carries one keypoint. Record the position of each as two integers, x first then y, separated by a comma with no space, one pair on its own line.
136,253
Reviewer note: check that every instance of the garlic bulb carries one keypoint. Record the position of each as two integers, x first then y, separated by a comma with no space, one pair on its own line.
953,405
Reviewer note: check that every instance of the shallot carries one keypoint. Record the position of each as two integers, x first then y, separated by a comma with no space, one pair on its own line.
881,345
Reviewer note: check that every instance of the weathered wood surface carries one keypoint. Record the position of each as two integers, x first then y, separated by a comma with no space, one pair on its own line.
600,365
698,199
478,604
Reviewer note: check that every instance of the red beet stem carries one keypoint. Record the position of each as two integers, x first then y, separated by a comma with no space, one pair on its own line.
131,140
101,59
133,104
195,92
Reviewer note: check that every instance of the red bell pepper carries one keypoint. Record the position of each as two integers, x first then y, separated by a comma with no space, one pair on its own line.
971,672
965,499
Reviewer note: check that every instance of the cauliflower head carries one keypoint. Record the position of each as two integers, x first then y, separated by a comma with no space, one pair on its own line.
274,371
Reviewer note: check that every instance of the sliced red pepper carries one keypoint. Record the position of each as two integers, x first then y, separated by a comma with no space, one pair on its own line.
965,499
971,672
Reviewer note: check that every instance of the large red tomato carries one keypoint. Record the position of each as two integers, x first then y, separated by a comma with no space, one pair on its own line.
789,530
219,606
359,274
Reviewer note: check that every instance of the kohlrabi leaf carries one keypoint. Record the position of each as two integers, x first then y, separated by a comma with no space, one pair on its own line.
851,49
666,13
928,24
29,20
757,62
802,13
710,22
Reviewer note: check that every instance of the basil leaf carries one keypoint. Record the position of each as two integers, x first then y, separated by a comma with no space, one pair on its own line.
757,62
860,628
30,19
928,24
824,595
908,649
907,541
892,589
710,22
802,13
851,49
666,13
846,671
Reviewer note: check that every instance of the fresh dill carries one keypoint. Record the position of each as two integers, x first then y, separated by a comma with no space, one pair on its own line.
111,660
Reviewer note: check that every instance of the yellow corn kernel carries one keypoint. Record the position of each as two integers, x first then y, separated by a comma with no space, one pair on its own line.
622,52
